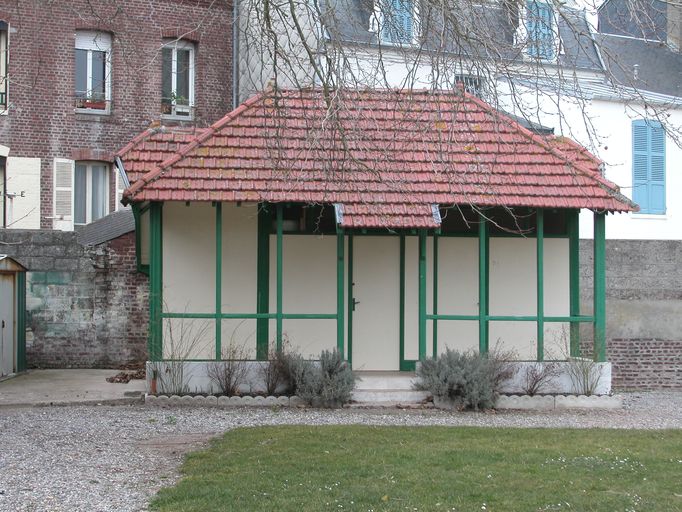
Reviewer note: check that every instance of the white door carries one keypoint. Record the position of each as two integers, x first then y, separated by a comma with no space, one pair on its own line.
376,290
6,324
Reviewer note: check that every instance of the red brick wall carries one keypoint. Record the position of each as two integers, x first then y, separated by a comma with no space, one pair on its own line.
646,364
42,122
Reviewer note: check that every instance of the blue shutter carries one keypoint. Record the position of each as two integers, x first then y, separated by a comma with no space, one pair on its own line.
640,165
546,33
539,21
648,166
531,28
406,10
657,169
397,26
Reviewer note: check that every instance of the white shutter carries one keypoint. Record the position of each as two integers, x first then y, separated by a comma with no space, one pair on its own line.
63,186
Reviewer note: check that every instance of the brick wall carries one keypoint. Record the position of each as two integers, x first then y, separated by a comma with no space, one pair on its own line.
42,122
87,306
644,311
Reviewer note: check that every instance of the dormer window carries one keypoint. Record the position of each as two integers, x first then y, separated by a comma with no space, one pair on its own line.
540,30
397,21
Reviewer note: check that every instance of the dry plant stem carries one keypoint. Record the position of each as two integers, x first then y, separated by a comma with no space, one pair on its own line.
183,339
538,376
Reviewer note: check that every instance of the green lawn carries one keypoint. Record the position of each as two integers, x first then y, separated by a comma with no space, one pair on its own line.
297,468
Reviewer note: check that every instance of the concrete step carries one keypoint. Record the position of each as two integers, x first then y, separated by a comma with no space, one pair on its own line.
385,380
388,396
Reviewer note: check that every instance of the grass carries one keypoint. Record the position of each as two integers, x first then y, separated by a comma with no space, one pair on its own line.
299,468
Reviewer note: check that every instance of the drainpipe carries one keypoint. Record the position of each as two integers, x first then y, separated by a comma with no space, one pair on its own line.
235,54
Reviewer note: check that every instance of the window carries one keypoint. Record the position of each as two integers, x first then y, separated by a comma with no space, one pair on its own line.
472,84
93,71
648,166
397,21
91,192
4,61
540,30
177,77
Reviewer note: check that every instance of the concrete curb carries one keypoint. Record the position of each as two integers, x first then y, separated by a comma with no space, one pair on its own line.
70,403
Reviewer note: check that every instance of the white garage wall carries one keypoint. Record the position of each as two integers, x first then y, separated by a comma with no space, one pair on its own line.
308,287
189,258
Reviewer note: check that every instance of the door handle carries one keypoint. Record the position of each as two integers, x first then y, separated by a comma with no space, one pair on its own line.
3,324
355,303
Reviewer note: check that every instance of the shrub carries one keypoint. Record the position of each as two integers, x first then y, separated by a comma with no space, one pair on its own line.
272,372
328,384
465,378
283,371
229,375
292,367
538,375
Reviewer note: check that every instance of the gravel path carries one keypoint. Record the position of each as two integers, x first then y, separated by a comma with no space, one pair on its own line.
115,458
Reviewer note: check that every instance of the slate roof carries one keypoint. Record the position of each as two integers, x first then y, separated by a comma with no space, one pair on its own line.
659,68
386,156
491,36
107,228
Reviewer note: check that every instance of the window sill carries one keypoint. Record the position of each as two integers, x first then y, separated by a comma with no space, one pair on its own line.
649,216
4,111
171,117
92,112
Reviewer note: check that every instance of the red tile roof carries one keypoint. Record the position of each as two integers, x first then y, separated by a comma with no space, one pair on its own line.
386,156
151,147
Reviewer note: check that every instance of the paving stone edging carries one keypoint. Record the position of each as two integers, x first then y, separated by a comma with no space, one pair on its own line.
547,402
550,402
223,401
516,402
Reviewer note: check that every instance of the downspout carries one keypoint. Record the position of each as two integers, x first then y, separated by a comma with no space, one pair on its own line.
235,54
3,168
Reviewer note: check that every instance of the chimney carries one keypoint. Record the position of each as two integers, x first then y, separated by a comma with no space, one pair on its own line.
674,24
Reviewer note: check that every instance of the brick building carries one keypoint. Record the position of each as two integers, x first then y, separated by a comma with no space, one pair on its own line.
73,94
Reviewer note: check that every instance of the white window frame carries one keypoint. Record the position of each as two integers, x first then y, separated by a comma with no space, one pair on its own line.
95,41
176,45
88,190
521,35
376,23
4,68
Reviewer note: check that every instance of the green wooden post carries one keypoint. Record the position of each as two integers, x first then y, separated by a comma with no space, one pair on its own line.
574,278
340,266
483,275
155,343
350,300
401,327
540,269
21,321
263,295
280,221
600,287
435,295
218,280
422,294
